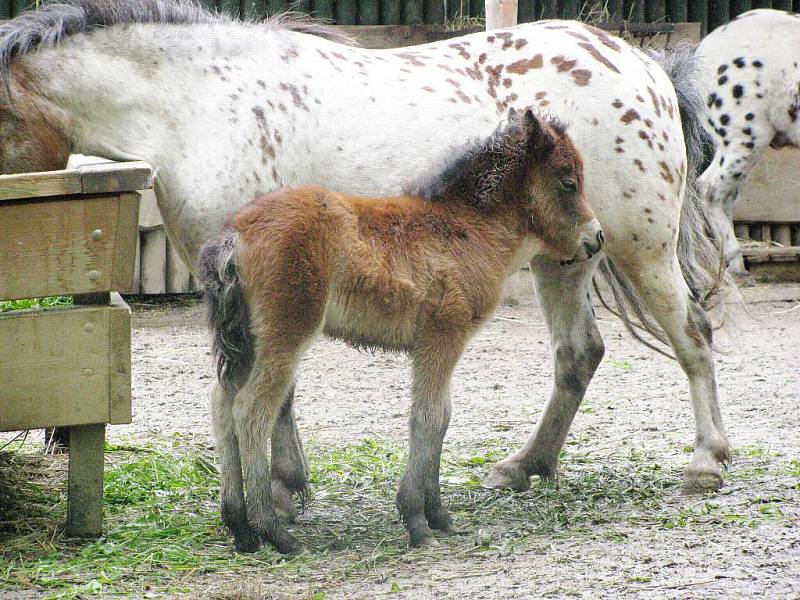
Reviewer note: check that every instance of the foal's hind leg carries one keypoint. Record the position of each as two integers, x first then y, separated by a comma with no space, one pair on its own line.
255,411
289,467
234,511
664,291
419,499
577,351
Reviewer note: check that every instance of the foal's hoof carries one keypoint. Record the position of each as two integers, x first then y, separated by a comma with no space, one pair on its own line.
286,543
245,539
429,542
283,499
508,476
441,520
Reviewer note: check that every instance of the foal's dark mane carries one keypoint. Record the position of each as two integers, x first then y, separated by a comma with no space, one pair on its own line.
49,25
487,173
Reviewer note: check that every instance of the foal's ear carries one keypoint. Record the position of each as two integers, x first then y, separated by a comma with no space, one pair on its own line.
540,138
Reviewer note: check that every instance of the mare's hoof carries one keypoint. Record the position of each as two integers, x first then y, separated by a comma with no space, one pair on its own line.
507,476
286,543
701,480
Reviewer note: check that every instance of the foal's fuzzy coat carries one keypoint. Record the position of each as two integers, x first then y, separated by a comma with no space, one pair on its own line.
418,273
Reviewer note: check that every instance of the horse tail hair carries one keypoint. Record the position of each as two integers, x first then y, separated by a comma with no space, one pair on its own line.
699,252
228,312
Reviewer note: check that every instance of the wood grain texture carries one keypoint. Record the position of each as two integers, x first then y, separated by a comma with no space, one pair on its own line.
65,366
85,481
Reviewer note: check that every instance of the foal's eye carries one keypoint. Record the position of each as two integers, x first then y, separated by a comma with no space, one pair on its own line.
568,184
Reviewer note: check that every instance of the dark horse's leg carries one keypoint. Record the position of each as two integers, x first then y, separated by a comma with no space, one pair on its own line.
563,295
289,468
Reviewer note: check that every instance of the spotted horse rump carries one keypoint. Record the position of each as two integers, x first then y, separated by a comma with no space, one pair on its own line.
751,76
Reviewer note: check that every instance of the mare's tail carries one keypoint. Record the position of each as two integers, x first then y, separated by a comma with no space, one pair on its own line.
228,313
699,254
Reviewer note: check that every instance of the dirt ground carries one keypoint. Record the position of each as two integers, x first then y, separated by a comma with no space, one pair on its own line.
741,542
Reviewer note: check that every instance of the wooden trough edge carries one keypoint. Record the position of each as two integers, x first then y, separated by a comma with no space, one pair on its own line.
96,178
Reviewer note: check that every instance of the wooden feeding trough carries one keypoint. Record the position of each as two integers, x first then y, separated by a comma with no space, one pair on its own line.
70,232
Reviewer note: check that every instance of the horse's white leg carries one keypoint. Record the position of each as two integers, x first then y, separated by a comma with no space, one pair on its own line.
255,411
289,467
667,297
234,511
511,289
577,351
418,497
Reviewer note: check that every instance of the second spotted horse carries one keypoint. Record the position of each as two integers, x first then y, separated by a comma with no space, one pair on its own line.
285,102
751,77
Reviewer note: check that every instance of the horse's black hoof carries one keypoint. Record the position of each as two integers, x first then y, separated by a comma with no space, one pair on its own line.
286,543
245,539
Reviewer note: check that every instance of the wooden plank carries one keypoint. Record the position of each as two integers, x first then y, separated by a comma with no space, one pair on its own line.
771,193
58,371
741,230
771,253
500,14
119,352
698,12
5,9
368,12
126,238
323,9
392,12
149,215
85,482
99,178
782,4
655,11
346,12
152,279
60,246
137,265
616,9
549,9
762,3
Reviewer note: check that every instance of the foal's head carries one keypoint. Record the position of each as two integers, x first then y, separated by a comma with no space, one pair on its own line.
529,167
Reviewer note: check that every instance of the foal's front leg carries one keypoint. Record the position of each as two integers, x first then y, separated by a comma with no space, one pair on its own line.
419,499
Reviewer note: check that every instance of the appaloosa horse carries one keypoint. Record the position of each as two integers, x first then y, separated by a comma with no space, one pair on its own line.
227,110
752,84
419,273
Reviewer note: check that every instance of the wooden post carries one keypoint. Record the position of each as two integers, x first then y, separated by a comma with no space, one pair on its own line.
739,6
85,487
782,234
323,9
391,11
500,14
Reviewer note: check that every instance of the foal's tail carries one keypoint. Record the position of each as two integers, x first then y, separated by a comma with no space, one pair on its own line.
228,313
699,253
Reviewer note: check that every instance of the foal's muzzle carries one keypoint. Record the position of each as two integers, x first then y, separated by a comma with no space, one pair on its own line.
591,242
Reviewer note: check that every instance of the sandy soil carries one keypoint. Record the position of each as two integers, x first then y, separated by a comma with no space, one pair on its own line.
637,400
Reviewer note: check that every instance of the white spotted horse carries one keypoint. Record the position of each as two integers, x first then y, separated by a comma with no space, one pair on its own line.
228,110
752,86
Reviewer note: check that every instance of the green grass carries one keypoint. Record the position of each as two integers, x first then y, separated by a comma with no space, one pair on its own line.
163,529
44,303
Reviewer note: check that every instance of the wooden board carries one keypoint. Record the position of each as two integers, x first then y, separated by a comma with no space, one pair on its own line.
771,193
98,178
67,245
65,367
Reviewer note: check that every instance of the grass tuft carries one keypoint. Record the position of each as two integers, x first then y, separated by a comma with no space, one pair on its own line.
30,303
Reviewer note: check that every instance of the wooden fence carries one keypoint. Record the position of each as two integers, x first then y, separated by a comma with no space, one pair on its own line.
393,12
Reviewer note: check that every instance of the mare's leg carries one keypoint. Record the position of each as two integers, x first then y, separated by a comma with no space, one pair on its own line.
667,297
289,467
577,351
255,412
234,511
419,499
734,158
